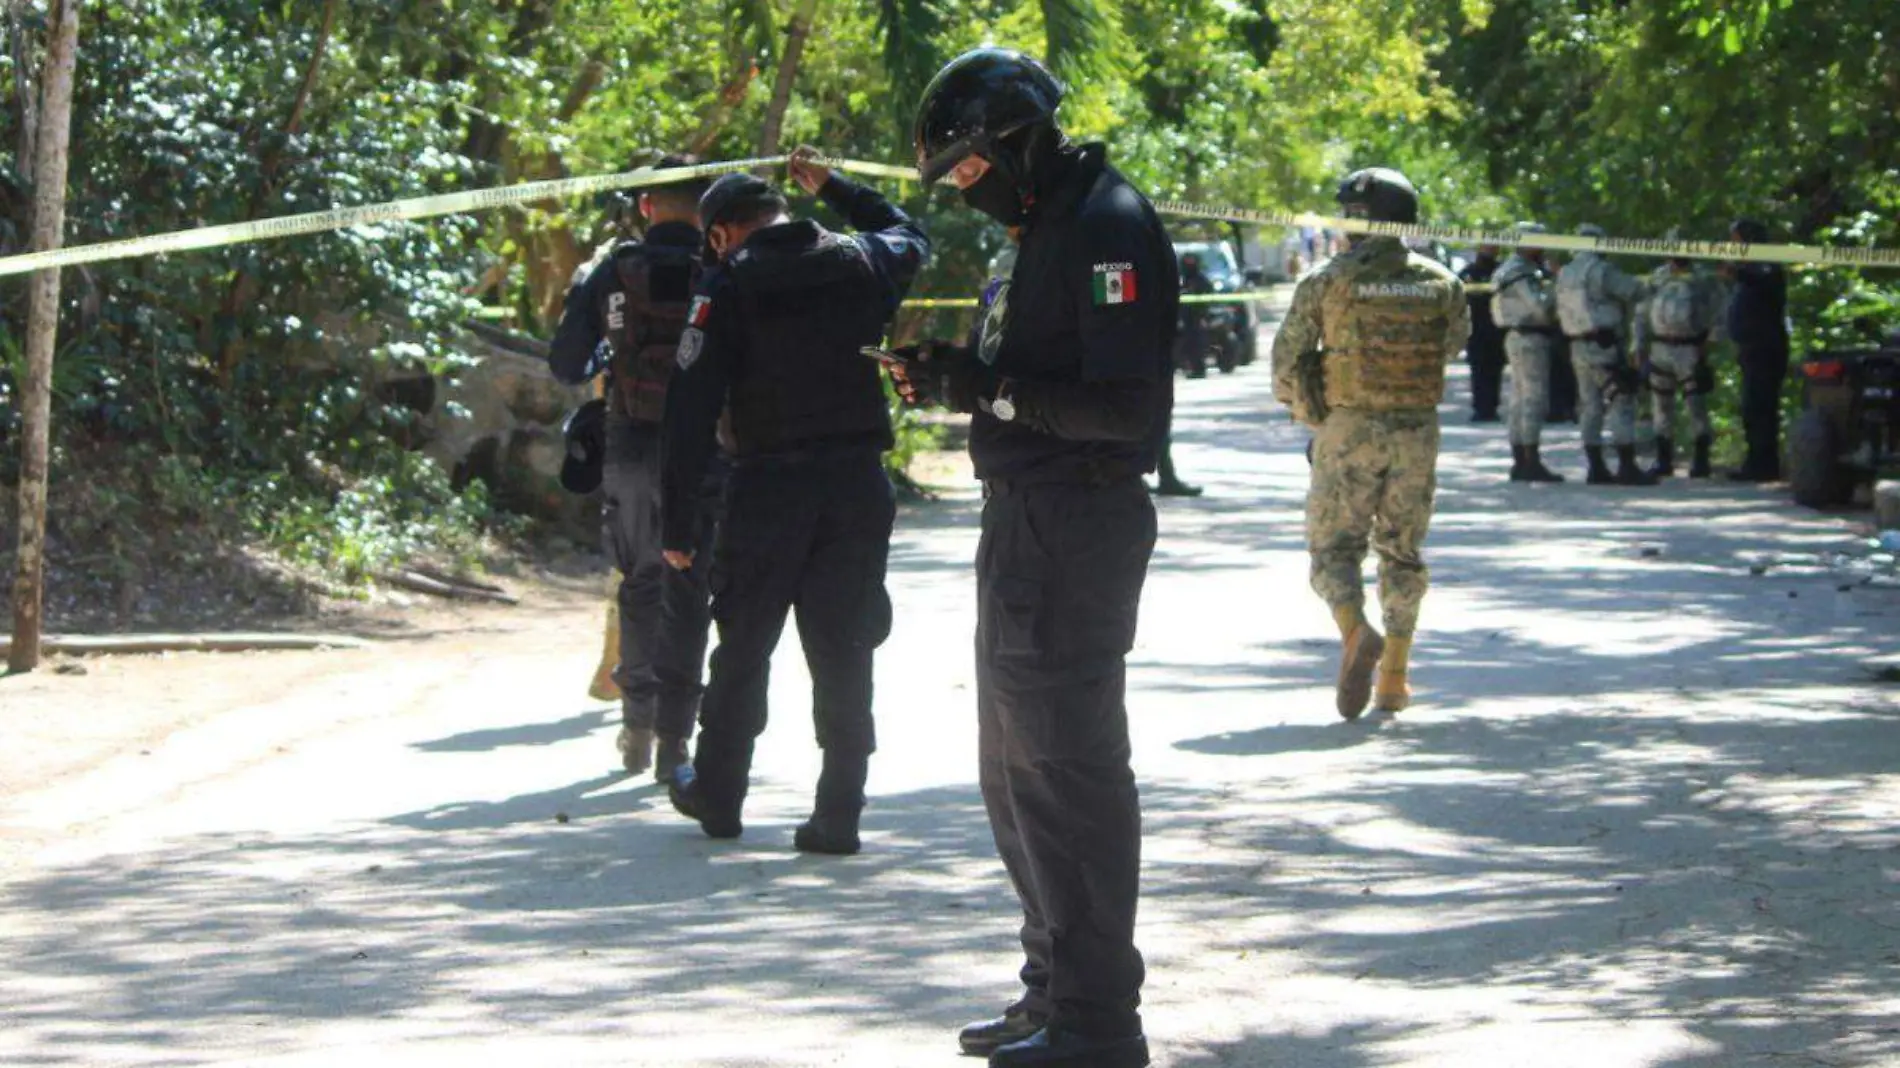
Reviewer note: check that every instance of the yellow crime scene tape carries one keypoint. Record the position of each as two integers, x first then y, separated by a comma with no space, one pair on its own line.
504,196
368,215
1661,248
1192,298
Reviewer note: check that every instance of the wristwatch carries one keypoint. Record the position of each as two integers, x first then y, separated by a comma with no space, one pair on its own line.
1002,407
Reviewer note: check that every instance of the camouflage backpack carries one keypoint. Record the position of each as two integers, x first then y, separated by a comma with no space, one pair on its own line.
1673,314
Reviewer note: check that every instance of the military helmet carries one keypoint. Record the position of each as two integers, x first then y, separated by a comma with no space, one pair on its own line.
1753,231
976,100
1592,230
1380,194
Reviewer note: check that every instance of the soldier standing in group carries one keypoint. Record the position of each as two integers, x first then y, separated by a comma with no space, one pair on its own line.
1673,329
776,333
1070,384
1485,351
1595,302
1523,304
636,300
1361,357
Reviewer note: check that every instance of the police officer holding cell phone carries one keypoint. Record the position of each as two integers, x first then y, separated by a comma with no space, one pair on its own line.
775,338
1070,382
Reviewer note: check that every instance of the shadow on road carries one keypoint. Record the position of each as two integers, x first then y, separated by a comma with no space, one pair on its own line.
1639,792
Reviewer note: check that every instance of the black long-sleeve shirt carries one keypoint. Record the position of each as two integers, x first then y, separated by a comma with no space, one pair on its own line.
714,356
1084,335
1758,314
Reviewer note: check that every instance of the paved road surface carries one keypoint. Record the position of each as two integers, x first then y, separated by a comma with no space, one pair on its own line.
1644,812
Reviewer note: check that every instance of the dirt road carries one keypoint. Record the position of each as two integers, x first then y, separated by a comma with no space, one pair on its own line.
1645,812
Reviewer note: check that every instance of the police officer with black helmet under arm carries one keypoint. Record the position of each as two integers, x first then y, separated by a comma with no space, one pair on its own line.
1070,384
636,300
775,336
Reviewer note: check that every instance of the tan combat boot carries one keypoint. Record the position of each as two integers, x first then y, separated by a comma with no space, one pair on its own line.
603,688
1360,650
1392,694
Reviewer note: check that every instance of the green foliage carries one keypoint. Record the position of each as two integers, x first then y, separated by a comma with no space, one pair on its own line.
261,369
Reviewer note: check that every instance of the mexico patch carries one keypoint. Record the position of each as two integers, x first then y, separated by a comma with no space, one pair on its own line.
692,340
700,310
1115,283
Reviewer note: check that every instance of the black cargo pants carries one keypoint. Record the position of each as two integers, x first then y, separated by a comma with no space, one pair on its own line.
1486,356
1059,575
808,533
1764,370
664,616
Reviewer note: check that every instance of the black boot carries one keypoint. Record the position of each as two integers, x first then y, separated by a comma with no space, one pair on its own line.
1169,484
690,800
833,826
1534,469
984,1038
1517,464
1665,458
669,755
1628,473
1699,467
1599,471
1053,1048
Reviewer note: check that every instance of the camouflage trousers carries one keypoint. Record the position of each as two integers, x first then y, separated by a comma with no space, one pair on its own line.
1596,407
1529,356
1672,374
1374,476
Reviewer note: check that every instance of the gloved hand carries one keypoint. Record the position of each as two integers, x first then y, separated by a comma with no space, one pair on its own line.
1309,396
940,373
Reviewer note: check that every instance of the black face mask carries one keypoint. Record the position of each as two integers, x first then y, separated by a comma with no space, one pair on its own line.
996,197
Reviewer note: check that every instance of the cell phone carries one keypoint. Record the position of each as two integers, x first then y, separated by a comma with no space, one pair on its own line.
883,356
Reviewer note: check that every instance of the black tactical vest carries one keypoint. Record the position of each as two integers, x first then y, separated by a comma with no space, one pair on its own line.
644,322
806,310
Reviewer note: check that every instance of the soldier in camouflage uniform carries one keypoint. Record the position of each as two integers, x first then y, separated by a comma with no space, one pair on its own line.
1361,357
1595,301
1673,329
1523,304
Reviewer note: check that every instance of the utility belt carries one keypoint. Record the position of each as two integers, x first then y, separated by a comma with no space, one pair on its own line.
844,446
1605,337
1696,339
1090,474
1534,331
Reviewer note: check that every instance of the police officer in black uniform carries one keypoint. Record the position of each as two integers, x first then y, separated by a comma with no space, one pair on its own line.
1758,323
636,301
1485,351
776,334
1071,385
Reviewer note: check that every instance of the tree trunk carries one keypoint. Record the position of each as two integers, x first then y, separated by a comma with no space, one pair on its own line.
795,34
243,290
42,331
731,95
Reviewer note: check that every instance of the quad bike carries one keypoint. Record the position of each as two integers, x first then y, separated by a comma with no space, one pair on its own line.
1848,433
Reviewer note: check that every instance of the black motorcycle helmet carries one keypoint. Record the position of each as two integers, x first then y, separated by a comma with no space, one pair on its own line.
977,101
585,435
1379,194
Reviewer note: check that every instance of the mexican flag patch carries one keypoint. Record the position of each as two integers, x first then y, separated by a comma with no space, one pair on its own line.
1114,283
696,315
